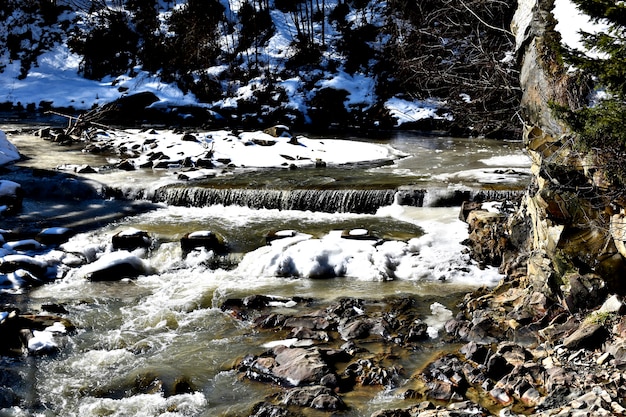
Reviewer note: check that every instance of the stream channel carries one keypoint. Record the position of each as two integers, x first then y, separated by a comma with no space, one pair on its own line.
169,325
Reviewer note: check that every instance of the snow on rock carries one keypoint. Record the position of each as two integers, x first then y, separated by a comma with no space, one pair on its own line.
42,342
114,266
329,257
8,151
166,149
9,188
437,320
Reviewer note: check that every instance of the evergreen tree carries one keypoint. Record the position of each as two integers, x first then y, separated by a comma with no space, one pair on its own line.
602,126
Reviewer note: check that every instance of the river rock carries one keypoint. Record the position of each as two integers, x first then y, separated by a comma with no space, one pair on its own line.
613,304
273,235
369,372
11,196
54,235
164,381
206,239
115,266
278,131
131,239
12,263
286,366
23,245
30,333
266,409
444,379
588,336
317,397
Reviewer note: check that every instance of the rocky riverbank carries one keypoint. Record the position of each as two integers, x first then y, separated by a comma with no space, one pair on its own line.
521,352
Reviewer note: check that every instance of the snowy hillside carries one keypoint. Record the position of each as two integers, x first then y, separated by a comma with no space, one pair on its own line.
322,64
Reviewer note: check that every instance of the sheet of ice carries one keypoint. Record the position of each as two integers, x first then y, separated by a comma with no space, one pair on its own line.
486,176
518,160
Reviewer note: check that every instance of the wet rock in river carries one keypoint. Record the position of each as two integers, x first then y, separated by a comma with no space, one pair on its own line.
54,235
206,239
444,379
266,409
368,372
35,334
273,235
317,397
166,382
11,197
114,267
131,239
287,366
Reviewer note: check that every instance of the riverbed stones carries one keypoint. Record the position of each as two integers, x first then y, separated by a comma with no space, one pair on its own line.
12,263
589,336
315,396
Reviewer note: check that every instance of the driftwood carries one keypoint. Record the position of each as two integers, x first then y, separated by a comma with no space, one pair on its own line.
80,124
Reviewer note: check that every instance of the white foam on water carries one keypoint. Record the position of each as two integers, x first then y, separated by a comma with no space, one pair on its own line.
148,405
513,160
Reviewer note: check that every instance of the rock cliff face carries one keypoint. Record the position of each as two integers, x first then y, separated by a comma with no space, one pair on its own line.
562,252
566,241
574,224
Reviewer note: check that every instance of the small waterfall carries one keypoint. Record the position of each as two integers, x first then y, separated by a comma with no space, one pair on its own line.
329,201
445,197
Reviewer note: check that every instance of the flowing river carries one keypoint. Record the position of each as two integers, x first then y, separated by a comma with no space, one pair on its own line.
167,326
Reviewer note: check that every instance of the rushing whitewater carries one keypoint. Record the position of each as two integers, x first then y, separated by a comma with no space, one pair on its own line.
161,345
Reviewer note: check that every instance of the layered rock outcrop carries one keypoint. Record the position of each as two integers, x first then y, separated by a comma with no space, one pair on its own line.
570,225
562,253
